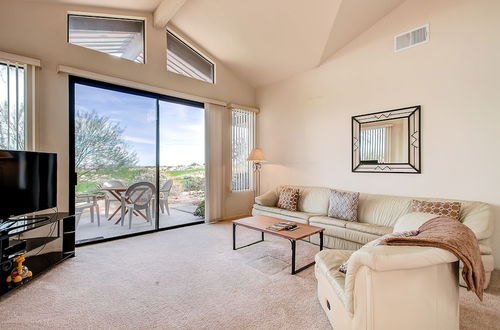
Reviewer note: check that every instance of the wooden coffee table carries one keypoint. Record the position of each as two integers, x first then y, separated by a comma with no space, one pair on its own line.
261,222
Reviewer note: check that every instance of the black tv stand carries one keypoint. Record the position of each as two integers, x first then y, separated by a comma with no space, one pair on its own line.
45,240
20,222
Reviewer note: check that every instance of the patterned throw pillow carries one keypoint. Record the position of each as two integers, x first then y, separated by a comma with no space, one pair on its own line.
376,242
289,199
444,209
343,205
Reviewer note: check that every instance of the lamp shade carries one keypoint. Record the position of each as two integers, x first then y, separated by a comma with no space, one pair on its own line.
256,156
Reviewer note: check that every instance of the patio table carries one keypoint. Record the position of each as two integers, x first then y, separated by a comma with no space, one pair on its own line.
116,192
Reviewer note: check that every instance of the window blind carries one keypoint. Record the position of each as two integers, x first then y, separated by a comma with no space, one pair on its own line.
119,37
242,141
12,106
375,144
184,60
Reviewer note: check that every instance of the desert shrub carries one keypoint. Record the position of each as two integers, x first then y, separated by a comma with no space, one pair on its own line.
193,183
200,210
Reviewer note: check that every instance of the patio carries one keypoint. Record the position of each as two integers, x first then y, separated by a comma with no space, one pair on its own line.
180,214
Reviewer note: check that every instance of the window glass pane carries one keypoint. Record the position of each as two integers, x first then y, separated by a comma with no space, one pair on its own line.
242,140
184,60
12,107
119,37
182,163
115,154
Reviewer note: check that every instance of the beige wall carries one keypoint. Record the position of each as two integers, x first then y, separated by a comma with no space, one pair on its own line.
305,121
38,30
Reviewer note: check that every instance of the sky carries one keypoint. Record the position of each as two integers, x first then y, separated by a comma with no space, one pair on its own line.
182,128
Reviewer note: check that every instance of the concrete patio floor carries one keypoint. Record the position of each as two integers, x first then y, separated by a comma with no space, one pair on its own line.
88,231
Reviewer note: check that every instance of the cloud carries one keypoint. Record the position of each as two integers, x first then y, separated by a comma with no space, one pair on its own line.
138,140
81,108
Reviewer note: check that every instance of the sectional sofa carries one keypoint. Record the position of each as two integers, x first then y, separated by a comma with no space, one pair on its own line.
377,215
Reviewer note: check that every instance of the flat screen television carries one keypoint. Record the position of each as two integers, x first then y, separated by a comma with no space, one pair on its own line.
28,182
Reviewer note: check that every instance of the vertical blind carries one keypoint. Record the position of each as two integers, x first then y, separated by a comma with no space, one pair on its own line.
375,144
242,142
12,106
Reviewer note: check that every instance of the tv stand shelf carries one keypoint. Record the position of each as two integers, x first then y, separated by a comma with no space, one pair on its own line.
33,243
45,242
25,224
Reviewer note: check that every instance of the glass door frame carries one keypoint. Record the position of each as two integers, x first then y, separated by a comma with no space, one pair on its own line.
72,81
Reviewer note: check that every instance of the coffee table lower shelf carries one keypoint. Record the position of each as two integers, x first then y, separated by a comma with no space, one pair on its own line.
292,241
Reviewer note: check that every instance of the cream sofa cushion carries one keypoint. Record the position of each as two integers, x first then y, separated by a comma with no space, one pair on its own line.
485,249
412,221
324,220
336,243
382,210
314,200
270,198
311,199
369,228
302,217
477,216
269,209
346,234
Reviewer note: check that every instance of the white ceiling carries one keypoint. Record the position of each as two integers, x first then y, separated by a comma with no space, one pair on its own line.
353,18
265,41
262,41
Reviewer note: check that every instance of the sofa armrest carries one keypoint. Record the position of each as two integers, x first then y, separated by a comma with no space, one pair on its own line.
384,258
270,198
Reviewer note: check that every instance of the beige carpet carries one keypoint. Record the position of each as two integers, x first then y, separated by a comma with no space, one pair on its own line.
188,278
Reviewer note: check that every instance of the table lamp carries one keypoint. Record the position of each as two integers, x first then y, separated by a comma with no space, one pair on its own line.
257,157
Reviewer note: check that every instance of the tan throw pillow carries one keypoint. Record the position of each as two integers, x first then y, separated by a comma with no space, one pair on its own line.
343,205
289,199
444,209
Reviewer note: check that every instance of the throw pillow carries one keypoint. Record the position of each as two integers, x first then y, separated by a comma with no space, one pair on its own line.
445,209
289,199
343,205
376,242
412,221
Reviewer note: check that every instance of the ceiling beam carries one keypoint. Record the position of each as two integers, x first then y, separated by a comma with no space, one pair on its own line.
165,11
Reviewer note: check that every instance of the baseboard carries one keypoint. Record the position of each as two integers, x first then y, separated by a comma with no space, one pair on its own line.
236,217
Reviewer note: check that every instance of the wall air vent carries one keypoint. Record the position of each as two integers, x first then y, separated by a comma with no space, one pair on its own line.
411,38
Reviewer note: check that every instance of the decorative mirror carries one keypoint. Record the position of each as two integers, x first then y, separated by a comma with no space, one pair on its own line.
387,141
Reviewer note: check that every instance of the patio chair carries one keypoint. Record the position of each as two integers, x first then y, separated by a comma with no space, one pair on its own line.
89,201
138,197
108,197
164,192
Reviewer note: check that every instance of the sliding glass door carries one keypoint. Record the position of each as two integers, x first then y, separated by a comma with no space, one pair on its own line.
182,163
138,160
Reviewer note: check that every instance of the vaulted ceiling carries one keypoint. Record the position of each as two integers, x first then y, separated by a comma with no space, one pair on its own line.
262,41
266,41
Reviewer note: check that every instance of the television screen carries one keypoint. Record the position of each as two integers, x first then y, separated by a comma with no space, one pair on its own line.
28,182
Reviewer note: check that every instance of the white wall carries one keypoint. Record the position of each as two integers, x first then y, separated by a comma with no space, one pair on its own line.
39,30
305,128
